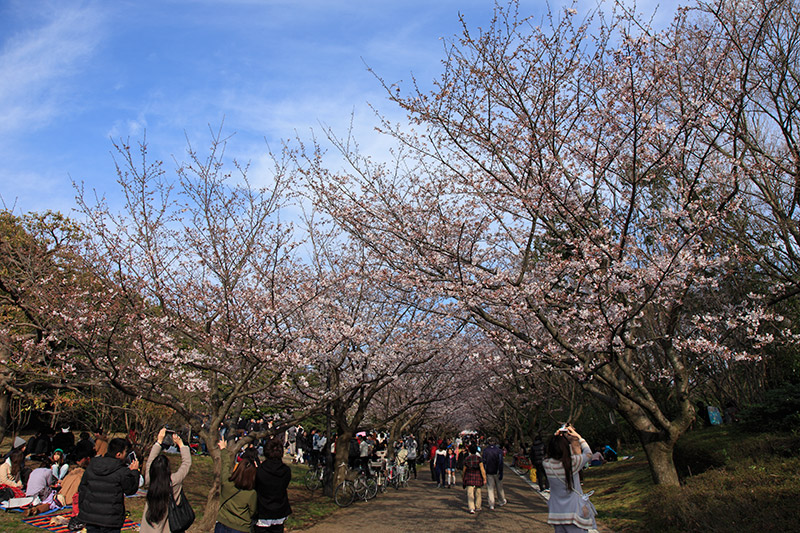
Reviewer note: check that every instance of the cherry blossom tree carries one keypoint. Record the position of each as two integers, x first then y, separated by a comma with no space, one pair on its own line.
562,187
209,285
41,271
368,336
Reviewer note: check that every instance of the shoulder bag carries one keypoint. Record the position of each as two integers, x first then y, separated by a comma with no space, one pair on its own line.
180,515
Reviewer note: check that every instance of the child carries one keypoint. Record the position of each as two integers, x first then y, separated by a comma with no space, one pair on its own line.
450,467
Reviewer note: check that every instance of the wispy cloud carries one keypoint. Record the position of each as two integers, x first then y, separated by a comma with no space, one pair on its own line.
38,62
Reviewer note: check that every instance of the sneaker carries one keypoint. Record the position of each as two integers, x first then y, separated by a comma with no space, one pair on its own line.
502,503
477,508
491,507
472,511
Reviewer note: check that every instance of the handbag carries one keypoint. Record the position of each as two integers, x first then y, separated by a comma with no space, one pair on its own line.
585,513
180,515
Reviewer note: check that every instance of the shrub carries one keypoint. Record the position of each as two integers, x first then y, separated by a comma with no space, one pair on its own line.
780,411
716,447
748,496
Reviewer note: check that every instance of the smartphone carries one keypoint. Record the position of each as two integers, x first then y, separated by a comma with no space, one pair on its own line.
132,457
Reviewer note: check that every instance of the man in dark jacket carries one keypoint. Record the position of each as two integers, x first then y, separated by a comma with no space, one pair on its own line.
537,460
101,494
272,481
493,463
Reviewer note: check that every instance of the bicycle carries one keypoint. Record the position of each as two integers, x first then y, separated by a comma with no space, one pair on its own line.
315,477
355,485
394,475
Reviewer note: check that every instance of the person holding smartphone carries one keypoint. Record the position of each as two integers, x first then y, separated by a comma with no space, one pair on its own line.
102,490
163,484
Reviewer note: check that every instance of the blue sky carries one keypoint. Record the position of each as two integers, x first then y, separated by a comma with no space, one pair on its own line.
74,74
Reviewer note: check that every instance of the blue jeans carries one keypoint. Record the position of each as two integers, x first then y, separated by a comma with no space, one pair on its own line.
222,528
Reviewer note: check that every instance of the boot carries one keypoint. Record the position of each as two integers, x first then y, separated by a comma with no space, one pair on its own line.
36,509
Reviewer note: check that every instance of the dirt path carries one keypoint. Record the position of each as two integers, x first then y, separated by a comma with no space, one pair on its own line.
423,507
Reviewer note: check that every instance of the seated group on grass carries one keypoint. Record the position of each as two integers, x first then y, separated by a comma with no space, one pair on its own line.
40,483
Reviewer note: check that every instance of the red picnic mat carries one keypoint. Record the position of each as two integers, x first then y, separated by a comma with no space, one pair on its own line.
44,523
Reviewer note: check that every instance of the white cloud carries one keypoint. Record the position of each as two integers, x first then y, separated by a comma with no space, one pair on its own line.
36,65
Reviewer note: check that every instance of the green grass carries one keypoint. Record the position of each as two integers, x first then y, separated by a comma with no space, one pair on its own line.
740,482
621,492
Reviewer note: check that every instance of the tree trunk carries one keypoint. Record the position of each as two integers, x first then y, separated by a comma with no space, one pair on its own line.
212,501
342,455
5,406
662,465
658,443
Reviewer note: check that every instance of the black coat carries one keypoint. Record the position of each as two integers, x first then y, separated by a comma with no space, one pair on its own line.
272,480
101,494
537,452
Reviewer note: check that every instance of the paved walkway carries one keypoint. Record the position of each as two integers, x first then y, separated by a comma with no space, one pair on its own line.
423,507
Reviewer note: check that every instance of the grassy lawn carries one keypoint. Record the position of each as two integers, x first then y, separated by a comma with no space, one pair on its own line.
732,481
307,508
622,490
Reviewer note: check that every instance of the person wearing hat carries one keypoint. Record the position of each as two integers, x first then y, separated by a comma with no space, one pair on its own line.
60,465
64,440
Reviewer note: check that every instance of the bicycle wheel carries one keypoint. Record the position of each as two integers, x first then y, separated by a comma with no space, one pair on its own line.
372,488
381,482
360,486
313,480
345,494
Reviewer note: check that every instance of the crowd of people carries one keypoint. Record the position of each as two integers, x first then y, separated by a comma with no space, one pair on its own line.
94,474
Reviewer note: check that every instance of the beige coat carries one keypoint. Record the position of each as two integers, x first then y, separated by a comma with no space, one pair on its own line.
177,484
6,478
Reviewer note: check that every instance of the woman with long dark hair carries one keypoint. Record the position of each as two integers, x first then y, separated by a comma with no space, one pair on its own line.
567,453
163,484
238,496
11,469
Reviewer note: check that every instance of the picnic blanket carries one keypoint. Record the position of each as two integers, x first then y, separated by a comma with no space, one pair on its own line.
43,522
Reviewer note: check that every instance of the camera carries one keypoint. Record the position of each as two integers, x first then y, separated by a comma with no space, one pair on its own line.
168,440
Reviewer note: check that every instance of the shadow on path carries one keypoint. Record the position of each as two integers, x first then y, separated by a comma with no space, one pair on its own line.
423,507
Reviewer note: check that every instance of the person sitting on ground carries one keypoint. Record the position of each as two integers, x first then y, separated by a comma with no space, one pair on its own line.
41,480
11,469
597,459
70,483
39,444
60,466
83,448
238,495
100,443
64,440
609,454
163,484
40,487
